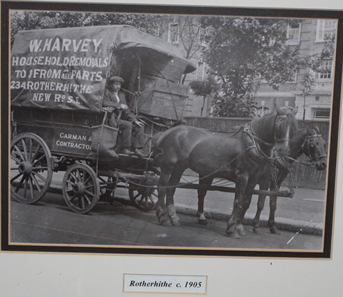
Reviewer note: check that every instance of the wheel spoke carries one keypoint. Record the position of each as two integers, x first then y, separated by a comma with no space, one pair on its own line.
78,174
20,183
31,150
36,152
15,177
150,198
40,176
89,193
88,201
38,160
70,182
31,188
19,153
25,188
15,159
136,196
25,149
33,178
141,200
89,186
72,174
87,180
40,168
73,197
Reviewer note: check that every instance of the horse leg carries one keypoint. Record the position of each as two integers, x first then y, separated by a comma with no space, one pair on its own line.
260,206
161,211
241,183
204,182
272,203
246,202
264,185
173,181
271,222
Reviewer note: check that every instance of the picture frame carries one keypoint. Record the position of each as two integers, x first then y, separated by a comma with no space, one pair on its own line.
326,247
93,274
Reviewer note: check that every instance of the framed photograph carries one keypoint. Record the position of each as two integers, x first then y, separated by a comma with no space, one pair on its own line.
169,130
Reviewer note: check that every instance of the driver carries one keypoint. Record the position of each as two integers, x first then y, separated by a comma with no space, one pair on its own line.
132,129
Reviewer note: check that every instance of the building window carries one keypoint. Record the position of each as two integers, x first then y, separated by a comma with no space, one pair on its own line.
201,70
326,29
325,70
173,33
293,33
321,113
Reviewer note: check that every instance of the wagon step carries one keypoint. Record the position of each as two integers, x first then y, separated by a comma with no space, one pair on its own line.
285,194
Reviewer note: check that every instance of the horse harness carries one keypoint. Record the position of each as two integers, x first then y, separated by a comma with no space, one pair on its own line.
252,135
305,148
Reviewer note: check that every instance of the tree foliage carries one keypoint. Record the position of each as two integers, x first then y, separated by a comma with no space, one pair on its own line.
27,20
242,52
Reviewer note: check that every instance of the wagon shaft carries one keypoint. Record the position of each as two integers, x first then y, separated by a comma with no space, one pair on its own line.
284,194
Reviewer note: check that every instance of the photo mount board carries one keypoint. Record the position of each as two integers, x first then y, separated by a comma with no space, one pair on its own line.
7,245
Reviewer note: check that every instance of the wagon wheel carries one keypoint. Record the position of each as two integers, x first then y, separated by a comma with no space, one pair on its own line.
144,198
31,168
143,194
80,187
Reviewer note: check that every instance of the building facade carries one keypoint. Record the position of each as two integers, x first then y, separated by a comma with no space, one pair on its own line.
309,34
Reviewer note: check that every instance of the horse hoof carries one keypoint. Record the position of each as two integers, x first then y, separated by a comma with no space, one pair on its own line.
175,222
233,235
242,232
257,231
166,223
202,222
275,231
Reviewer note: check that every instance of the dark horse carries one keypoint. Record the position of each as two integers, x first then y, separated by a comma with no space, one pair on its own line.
307,141
240,158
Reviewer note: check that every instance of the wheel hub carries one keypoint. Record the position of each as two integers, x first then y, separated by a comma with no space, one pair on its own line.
80,188
25,167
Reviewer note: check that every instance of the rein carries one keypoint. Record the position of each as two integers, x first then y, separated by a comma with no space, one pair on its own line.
283,160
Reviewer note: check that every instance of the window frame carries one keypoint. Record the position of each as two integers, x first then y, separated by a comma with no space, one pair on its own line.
317,75
321,32
203,71
293,40
316,109
176,34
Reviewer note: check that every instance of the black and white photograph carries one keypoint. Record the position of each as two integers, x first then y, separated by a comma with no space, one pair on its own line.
148,130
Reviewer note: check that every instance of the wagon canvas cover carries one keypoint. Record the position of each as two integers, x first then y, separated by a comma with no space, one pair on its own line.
66,68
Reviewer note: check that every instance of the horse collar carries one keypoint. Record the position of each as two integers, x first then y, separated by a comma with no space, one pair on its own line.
260,153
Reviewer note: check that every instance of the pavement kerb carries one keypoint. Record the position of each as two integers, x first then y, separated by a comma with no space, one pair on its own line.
286,224
282,223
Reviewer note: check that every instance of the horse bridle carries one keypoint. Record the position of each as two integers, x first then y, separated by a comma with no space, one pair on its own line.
283,160
307,143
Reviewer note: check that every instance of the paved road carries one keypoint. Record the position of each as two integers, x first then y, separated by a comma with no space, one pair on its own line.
50,221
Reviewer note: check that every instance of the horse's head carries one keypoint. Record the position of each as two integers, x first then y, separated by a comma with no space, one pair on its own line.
285,128
314,147
274,130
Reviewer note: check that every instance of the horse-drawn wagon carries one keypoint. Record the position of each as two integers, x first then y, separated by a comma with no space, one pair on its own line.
58,79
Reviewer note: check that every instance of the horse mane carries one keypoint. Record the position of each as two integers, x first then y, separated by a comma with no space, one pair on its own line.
264,122
261,125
